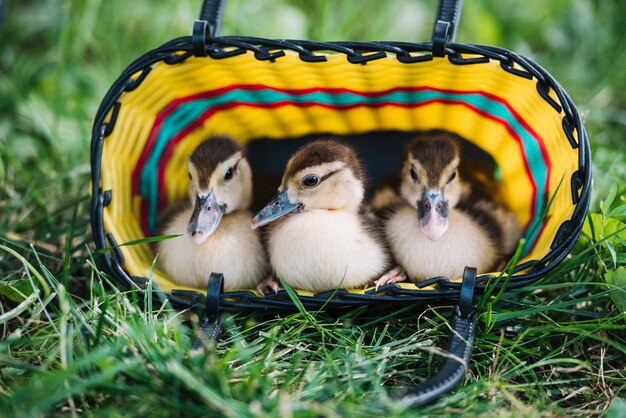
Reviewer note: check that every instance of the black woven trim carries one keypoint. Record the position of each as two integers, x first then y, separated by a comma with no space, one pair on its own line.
359,53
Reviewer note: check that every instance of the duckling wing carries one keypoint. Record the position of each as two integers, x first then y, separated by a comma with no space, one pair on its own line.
482,201
387,198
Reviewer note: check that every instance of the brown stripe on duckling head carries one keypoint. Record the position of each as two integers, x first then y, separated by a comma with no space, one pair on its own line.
435,151
322,152
210,153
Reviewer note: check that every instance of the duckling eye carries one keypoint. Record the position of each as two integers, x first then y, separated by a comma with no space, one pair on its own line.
189,175
452,176
311,180
229,174
414,175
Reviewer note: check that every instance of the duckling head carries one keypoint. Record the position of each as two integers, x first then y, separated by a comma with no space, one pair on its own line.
322,175
220,182
430,182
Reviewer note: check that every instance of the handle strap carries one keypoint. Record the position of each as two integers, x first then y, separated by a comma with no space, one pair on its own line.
444,30
446,23
212,12
3,10
460,347
211,326
208,25
447,377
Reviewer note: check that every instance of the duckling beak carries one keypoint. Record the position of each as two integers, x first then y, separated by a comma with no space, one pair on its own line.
432,212
277,208
206,216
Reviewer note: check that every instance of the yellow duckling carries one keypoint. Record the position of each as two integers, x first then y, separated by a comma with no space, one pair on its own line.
436,223
215,222
321,238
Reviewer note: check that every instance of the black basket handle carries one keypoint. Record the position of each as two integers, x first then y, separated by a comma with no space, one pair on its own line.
449,375
211,325
446,23
459,352
3,10
212,12
444,30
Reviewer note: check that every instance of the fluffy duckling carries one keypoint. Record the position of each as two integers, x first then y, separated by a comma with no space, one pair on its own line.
320,237
436,223
215,222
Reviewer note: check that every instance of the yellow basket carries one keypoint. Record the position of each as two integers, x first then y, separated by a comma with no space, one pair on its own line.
271,94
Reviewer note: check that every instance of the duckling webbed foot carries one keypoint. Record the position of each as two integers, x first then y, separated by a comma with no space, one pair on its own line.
271,284
394,275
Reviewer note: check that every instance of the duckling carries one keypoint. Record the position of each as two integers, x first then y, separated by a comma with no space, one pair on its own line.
437,223
215,222
320,238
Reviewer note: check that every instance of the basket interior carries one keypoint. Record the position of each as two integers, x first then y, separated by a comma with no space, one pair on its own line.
273,107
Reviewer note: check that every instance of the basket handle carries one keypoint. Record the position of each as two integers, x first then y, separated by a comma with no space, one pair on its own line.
449,375
211,325
459,352
212,12
446,23
444,30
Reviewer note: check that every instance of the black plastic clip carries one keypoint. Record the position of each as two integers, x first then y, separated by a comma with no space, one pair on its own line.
544,91
466,300
561,235
133,83
576,183
360,58
211,325
441,34
107,196
198,38
111,123
446,22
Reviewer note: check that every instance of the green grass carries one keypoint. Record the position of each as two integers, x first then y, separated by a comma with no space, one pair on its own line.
73,343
